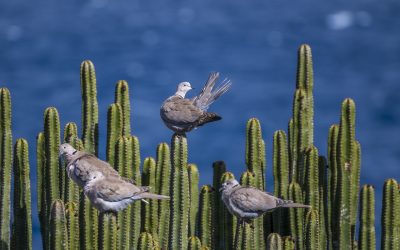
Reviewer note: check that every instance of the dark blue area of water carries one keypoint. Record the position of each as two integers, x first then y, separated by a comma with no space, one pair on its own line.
156,44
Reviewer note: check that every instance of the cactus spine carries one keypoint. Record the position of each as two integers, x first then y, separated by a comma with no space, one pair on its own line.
5,167
122,98
58,226
180,200
108,236
193,174
206,225
366,237
150,211
390,216
90,109
22,225
163,177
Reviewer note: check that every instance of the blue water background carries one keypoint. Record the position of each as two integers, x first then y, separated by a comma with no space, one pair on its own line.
156,44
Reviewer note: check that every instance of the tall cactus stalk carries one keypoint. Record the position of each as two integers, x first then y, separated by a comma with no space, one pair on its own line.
194,243
146,242
180,200
206,224
22,225
90,109
41,187
312,231
163,178
150,211
88,224
296,215
72,217
193,174
274,242
114,131
366,239
229,223
288,243
281,179
390,216
219,169
5,167
122,98
108,236
136,206
311,178
58,226
322,209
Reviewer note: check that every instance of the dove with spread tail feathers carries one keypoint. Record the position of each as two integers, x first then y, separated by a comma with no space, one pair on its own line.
247,203
104,187
183,115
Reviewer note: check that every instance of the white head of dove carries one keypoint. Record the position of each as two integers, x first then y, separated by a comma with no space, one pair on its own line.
67,151
183,115
247,203
182,89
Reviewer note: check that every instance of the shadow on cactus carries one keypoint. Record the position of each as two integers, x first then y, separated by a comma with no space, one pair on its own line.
76,196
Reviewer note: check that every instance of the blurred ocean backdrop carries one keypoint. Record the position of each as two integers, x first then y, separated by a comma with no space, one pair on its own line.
156,44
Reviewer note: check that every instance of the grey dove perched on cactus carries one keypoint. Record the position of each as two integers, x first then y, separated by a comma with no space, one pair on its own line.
104,187
183,115
247,203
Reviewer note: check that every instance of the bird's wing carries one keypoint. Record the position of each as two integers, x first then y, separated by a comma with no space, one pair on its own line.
207,96
113,189
93,162
252,200
180,111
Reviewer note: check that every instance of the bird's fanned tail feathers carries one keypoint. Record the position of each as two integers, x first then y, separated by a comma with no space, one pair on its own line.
289,203
153,196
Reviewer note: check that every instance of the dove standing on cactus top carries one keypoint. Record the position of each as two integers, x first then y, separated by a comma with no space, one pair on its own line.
247,203
105,188
182,115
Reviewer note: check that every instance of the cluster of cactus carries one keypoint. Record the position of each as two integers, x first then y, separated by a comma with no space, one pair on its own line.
194,218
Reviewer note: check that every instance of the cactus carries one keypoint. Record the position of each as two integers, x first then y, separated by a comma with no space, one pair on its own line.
255,151
5,167
229,223
90,109
366,237
206,224
219,169
193,174
180,200
108,236
322,211
311,178
88,224
281,179
122,98
390,216
274,242
146,242
114,130
58,226
150,211
194,243
136,206
288,243
162,183
312,231
296,215
41,187
22,225
71,214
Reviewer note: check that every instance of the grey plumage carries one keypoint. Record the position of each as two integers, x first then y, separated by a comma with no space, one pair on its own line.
105,188
183,115
247,203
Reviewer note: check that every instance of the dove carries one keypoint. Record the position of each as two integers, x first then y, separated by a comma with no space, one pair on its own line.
183,115
101,183
248,203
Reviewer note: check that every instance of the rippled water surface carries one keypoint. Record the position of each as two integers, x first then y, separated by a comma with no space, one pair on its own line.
156,44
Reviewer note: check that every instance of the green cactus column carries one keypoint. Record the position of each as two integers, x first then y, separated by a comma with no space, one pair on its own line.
150,211
22,225
194,243
206,223
229,223
219,168
146,242
390,216
193,174
41,187
108,232
274,242
162,181
90,109
114,131
288,243
136,206
5,167
72,217
122,98
88,224
366,239
296,215
312,231
180,200
58,226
